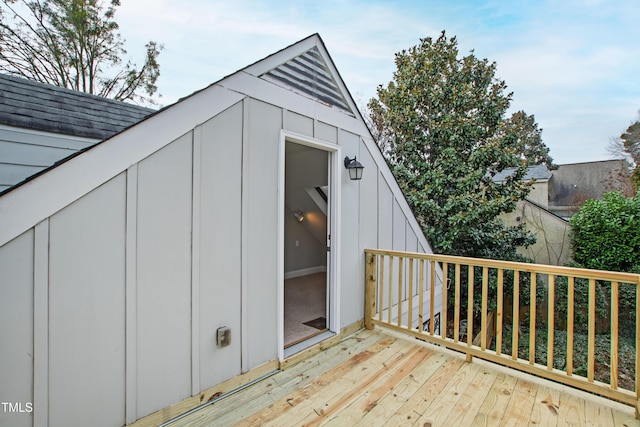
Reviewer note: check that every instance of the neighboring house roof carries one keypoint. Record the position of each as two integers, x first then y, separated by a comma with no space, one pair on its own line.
41,124
37,106
574,183
537,172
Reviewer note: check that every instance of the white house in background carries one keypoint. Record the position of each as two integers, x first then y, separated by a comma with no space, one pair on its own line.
151,269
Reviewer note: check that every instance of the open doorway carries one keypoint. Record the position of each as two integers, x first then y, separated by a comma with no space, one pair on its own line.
306,243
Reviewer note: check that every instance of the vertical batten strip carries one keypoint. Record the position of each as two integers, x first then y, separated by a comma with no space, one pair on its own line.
131,294
570,300
591,343
614,335
500,304
432,298
400,286
516,314
532,318
381,287
445,296
483,315
410,314
41,324
550,321
195,259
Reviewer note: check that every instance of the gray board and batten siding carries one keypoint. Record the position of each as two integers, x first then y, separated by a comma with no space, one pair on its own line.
42,124
118,266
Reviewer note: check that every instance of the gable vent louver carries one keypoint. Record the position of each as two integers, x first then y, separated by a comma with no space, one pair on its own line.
309,74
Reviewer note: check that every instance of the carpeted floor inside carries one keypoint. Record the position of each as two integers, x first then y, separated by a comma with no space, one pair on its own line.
305,304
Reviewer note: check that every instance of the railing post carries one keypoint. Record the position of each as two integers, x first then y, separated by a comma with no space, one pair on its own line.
637,349
370,290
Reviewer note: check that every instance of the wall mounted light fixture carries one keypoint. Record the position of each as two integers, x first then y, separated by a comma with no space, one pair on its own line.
354,167
299,214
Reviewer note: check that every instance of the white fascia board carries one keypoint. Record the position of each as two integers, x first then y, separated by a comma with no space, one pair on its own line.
25,206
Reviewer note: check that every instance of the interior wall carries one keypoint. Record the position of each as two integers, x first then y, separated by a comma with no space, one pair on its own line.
305,242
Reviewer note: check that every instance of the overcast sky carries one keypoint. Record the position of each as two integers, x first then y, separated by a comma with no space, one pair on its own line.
574,64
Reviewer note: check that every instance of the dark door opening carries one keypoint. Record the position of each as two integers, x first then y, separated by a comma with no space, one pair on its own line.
306,234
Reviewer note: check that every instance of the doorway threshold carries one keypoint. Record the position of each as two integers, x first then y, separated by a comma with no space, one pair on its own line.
303,345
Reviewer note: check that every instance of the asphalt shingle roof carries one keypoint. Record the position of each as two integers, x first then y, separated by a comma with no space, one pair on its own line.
33,105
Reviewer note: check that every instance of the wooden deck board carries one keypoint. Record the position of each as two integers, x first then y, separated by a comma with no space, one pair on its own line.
379,378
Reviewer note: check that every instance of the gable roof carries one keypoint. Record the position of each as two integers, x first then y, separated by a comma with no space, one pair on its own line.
52,190
38,106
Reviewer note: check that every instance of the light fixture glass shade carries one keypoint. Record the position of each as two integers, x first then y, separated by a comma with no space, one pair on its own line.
299,214
354,167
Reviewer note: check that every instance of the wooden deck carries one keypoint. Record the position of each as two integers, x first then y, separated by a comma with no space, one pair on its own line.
380,378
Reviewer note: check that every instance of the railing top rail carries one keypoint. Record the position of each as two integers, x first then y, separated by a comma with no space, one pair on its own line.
521,266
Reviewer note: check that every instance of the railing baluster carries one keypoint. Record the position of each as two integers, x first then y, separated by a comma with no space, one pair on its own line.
400,286
499,310
410,314
370,290
570,309
381,288
550,320
421,295
591,343
445,296
532,319
471,270
483,315
389,314
432,298
516,314
456,308
614,336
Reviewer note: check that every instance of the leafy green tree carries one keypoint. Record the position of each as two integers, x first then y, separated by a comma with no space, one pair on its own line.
606,233
74,44
442,125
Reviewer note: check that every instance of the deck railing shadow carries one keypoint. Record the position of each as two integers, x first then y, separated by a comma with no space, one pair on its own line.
545,320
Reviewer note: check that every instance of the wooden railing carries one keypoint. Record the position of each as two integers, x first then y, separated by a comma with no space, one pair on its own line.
545,320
